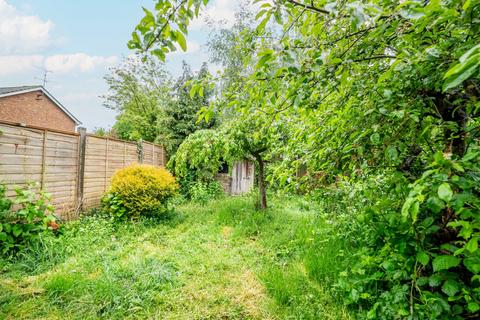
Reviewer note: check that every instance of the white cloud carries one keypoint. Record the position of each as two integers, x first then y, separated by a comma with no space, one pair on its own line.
66,63
59,64
10,65
20,33
219,11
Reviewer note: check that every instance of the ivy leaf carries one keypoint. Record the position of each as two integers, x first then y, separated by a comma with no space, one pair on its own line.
445,262
450,287
445,192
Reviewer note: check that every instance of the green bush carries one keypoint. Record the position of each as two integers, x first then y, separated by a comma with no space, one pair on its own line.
139,190
401,248
24,219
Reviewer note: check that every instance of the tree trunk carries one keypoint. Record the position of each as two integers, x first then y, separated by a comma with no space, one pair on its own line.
261,182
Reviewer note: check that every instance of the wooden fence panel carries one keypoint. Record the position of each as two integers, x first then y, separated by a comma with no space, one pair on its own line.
21,151
60,170
94,175
54,160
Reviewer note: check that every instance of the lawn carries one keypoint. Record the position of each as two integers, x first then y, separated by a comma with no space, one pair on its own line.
223,260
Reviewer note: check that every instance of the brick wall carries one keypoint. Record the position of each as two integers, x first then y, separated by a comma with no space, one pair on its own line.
35,109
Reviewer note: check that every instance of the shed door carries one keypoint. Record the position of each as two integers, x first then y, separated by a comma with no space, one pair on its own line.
242,177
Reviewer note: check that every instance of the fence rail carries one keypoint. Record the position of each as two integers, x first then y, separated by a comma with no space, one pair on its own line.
75,168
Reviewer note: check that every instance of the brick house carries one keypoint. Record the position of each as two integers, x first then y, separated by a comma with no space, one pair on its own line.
35,106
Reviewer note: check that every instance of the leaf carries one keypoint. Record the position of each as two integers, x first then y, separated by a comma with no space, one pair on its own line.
445,262
473,307
472,264
423,258
461,72
375,138
472,245
445,192
473,51
435,280
450,287
181,40
16,230
261,26
193,91
263,60
435,204
392,153
159,54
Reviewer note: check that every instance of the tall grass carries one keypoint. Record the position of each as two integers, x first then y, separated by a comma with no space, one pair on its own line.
220,260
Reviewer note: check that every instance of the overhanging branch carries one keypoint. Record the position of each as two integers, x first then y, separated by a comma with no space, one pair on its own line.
308,7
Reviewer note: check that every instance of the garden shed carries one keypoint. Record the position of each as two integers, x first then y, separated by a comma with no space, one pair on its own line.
239,180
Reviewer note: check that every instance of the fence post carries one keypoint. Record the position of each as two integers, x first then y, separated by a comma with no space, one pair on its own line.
140,154
82,143
106,164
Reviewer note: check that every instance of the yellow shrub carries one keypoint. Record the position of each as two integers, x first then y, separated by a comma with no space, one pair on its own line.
140,190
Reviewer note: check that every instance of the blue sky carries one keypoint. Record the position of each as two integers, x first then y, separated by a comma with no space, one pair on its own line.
78,41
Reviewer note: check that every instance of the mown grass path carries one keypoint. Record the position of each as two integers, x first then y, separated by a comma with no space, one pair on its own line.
220,261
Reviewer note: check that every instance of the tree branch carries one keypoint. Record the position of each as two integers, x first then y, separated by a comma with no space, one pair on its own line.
309,7
381,56
170,16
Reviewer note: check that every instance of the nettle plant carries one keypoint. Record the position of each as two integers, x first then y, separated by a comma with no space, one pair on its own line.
24,219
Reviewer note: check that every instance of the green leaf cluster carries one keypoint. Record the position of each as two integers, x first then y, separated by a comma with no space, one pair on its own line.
25,218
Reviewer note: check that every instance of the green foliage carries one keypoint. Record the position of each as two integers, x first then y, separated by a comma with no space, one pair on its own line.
201,155
139,190
25,219
377,102
417,255
138,91
179,118
204,192
152,27
442,208
153,107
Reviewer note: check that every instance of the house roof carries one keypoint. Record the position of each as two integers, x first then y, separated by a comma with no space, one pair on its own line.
11,91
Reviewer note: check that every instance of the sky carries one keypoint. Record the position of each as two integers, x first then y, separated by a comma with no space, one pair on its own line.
78,41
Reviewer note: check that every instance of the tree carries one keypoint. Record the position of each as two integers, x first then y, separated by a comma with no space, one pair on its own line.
139,91
205,151
180,118
252,137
